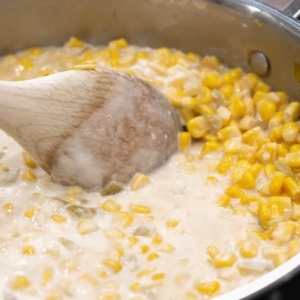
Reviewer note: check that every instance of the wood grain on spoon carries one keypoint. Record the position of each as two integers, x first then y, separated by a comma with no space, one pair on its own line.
88,128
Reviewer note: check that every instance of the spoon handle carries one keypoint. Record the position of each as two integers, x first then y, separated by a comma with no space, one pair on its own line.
37,113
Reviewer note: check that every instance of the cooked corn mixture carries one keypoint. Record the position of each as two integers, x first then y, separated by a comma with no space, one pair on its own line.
222,212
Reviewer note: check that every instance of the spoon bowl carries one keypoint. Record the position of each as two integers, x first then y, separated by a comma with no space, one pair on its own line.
89,128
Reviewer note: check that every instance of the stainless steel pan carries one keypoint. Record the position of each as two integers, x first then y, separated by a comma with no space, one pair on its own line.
244,33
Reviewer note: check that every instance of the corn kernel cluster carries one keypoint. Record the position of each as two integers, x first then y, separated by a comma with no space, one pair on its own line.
251,133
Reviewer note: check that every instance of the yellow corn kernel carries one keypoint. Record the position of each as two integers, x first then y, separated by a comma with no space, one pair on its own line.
247,123
264,190
8,207
224,201
74,42
259,95
25,64
249,248
89,279
236,73
184,140
279,259
247,198
28,160
276,183
113,265
241,167
140,209
29,176
212,179
227,90
205,110
157,239
210,62
205,96
35,51
111,206
75,191
210,138
132,240
282,150
254,132
152,256
224,167
252,79
263,213
267,153
293,159
139,181
135,287
237,107
212,251
86,226
172,223
120,43
211,80
291,112
290,131
276,211
269,170
228,132
266,109
123,219
187,114
284,232
276,120
232,146
144,248
296,212
224,260
83,66
208,287
118,249
47,276
209,147
28,250
29,212
145,272
282,201
158,276
197,127
247,181
69,265
253,208
226,78
255,169
21,282
167,248
113,233
234,192
262,87
295,148
247,154
257,233
113,53
283,98
58,218
292,188
239,212
276,134
294,247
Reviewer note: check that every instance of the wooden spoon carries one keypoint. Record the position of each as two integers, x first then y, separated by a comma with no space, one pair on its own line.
89,128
